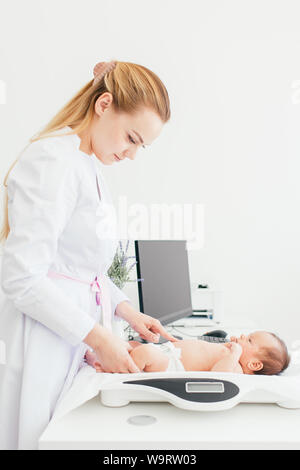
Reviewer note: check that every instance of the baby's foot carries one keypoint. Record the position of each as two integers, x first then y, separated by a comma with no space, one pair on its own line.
92,360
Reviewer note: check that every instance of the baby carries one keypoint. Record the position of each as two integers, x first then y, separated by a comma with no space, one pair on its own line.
260,352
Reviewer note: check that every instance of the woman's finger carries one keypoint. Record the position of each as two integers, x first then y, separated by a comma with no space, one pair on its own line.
132,367
148,335
158,328
127,366
124,370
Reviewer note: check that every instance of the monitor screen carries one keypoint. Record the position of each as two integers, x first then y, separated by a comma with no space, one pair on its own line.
164,292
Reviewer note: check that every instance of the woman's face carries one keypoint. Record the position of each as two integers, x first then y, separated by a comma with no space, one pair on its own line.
115,136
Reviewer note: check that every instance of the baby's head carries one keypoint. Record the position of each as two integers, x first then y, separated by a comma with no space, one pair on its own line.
263,353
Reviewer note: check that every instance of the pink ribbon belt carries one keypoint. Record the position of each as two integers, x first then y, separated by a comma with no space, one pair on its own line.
101,290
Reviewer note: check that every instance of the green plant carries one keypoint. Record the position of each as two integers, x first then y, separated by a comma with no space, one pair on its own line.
119,271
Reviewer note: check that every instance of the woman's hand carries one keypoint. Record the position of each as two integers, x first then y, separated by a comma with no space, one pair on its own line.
112,352
113,355
149,328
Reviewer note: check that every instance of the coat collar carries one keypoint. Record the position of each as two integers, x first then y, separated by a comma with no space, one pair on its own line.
77,141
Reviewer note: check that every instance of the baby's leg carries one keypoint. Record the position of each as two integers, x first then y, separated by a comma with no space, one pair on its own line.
149,358
135,344
91,358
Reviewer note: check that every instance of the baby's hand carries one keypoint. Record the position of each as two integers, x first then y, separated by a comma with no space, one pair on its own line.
234,348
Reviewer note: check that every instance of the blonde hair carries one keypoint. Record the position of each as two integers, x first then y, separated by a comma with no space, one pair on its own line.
132,86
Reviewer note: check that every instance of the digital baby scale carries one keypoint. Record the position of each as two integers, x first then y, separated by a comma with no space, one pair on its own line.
203,391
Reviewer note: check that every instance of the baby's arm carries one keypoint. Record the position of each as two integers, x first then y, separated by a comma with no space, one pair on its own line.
230,363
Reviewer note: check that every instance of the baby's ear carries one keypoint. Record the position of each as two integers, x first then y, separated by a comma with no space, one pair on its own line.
254,366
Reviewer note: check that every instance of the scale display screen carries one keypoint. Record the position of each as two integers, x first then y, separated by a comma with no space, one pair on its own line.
204,387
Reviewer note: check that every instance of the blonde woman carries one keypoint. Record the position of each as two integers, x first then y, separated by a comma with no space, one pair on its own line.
59,238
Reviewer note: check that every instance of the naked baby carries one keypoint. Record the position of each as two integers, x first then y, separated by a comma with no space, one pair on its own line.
260,352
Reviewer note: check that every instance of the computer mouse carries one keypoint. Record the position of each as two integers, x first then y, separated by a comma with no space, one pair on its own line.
217,334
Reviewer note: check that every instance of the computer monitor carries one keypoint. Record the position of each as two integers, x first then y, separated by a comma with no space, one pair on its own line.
165,291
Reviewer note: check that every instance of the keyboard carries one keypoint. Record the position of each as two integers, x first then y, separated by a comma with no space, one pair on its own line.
213,339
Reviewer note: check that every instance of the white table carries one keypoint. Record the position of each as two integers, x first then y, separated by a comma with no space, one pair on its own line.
246,426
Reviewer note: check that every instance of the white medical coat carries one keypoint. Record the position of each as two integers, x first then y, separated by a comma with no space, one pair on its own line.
61,218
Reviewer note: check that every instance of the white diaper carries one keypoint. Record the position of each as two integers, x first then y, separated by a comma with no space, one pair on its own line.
174,355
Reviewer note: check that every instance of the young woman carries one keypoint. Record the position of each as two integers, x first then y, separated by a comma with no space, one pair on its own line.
60,238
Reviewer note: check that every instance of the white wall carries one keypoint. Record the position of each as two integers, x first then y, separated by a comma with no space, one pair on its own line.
232,70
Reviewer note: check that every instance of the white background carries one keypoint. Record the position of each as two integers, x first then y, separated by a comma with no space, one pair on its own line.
232,70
